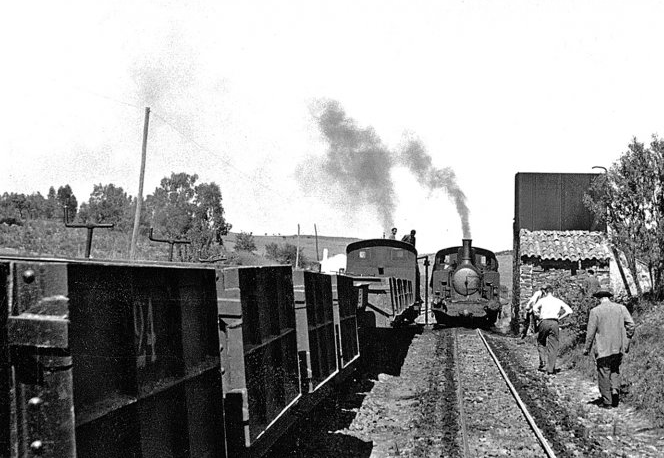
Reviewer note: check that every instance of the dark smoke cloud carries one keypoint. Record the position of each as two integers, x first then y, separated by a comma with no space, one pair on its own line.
357,166
414,156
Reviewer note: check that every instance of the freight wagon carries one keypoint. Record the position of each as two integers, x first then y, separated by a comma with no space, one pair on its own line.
108,359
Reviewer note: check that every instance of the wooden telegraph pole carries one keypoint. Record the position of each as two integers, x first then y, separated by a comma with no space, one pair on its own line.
316,233
139,198
297,252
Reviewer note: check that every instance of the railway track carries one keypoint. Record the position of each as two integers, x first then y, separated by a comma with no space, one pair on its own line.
493,420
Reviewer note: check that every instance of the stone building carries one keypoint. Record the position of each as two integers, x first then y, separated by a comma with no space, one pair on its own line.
556,236
548,256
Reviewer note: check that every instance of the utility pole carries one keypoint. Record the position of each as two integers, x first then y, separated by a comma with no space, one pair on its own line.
139,198
297,252
316,233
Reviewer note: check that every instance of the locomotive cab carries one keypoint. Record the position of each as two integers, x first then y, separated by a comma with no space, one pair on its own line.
388,270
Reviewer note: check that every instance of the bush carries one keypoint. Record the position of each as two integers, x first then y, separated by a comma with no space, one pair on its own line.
245,242
11,221
285,254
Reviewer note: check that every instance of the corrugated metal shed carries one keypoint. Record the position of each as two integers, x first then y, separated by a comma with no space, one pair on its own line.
564,245
553,201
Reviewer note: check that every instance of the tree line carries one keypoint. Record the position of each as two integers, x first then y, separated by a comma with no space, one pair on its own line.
629,197
18,207
178,209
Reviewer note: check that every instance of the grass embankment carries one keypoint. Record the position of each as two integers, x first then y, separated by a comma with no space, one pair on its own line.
642,367
53,239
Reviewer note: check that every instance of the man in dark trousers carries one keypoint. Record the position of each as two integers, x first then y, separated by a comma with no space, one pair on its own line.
610,326
549,310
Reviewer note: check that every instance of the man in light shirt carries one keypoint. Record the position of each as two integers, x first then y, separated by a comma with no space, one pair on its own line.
549,310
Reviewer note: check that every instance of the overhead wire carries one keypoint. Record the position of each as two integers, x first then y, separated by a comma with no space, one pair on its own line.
222,159
286,199
188,138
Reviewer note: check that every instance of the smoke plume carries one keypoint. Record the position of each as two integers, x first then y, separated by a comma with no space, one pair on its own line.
357,166
414,156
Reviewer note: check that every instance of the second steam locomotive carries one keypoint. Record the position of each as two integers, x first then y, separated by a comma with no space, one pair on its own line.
465,284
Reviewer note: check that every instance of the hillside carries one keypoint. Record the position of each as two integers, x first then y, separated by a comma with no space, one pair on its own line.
334,245
51,238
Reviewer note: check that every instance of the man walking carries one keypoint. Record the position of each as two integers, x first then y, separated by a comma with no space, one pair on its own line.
611,326
549,310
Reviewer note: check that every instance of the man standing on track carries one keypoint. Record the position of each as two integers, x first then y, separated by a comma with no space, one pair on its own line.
611,326
549,310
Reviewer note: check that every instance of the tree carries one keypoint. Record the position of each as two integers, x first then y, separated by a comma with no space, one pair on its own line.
108,204
245,242
628,197
53,208
209,222
65,196
36,205
20,203
179,209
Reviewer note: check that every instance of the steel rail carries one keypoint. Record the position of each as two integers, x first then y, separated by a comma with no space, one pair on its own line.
545,445
462,415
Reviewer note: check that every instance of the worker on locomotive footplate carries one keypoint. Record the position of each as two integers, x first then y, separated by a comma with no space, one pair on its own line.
409,238
393,234
611,327
529,320
549,310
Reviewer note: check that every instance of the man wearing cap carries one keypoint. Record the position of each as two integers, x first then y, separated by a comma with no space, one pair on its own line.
610,326
549,310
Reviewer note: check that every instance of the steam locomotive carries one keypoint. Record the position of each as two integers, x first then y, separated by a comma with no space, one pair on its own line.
465,284
389,281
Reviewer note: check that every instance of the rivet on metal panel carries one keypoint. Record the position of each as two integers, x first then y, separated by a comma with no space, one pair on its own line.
35,402
29,276
37,447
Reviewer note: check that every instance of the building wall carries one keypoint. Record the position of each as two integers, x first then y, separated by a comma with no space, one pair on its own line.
534,273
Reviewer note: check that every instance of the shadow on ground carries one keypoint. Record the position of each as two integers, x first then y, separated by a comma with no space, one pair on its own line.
315,435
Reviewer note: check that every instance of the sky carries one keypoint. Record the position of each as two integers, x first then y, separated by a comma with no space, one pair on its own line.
486,89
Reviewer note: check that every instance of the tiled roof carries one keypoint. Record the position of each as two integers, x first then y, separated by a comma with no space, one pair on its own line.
564,245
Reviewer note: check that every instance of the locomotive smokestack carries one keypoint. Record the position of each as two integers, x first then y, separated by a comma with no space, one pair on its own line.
466,252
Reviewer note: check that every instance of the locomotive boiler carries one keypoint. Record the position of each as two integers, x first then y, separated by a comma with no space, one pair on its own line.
465,284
